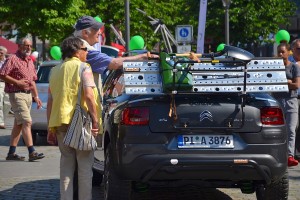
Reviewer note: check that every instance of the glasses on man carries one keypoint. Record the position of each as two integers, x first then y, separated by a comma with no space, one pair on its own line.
84,48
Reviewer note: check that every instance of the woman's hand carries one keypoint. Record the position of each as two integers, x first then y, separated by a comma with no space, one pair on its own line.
51,138
95,132
95,128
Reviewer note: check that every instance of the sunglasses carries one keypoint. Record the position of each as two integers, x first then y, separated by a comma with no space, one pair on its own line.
84,48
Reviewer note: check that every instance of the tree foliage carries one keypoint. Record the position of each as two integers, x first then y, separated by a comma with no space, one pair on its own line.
54,20
51,20
251,21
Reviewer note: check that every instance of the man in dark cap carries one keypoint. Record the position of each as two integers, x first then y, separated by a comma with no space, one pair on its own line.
88,29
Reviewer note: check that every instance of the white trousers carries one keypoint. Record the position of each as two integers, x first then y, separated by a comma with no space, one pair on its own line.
4,104
68,159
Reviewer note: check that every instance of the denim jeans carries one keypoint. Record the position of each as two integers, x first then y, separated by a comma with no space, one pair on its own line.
290,110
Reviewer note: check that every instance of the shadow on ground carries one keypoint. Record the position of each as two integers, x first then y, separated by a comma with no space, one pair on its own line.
39,189
186,192
40,141
4,140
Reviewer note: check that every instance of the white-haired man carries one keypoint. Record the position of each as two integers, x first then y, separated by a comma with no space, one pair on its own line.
19,75
88,29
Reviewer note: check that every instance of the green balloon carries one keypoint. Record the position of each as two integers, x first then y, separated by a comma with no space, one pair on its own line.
282,35
136,43
55,52
220,47
98,19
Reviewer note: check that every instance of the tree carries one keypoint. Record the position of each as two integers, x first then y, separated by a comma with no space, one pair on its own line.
48,20
250,19
53,20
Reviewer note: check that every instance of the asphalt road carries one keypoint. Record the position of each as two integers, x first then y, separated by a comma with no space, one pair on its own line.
40,180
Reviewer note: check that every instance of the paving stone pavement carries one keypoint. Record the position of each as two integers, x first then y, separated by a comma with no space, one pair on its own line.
40,179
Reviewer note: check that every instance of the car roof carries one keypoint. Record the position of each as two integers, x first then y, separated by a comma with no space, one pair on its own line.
50,63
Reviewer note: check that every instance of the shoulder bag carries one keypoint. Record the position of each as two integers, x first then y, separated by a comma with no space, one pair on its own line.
79,134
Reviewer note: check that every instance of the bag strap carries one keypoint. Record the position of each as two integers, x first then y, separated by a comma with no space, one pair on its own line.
82,65
81,83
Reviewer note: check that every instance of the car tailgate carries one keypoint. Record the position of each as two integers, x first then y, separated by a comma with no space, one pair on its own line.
200,114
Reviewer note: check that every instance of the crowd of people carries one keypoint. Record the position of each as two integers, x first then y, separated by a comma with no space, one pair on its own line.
77,49
19,74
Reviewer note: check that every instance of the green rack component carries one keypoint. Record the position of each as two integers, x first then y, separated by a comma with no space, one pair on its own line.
183,78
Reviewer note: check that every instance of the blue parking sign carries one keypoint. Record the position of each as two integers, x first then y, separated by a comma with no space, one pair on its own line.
184,33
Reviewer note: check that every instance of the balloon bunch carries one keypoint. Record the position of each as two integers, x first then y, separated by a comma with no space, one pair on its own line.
55,52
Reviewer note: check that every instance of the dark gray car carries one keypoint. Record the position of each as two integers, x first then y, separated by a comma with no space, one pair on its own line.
211,124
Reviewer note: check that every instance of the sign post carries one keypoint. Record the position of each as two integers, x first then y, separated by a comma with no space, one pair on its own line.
201,26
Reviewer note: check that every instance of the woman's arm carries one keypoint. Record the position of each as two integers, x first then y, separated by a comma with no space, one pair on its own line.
88,85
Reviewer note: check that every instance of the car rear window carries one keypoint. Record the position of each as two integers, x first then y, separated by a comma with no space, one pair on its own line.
43,74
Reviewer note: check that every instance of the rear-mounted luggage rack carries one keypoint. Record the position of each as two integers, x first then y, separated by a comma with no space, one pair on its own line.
226,75
232,70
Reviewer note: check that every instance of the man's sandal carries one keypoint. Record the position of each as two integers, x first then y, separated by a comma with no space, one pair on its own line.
15,157
35,156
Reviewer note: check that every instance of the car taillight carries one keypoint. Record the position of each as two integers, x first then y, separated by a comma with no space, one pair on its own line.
135,116
271,116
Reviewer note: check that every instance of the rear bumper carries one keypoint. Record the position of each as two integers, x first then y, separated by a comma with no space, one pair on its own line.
40,127
207,166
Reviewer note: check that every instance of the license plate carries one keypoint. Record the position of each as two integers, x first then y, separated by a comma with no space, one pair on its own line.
205,141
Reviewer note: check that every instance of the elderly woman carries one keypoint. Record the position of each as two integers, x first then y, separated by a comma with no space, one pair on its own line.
63,88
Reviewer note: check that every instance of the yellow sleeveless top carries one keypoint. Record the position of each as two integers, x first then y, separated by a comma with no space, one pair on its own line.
64,84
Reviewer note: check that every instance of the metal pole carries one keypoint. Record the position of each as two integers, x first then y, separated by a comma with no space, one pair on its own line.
227,25
127,24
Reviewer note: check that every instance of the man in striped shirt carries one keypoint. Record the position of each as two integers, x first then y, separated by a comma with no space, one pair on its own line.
19,75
